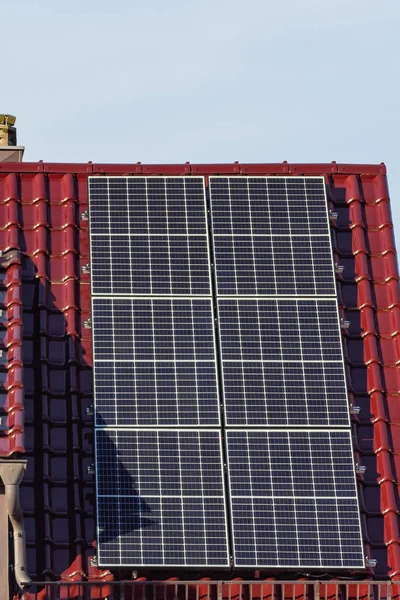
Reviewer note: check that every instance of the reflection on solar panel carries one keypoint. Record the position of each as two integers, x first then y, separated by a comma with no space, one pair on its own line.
282,362
148,236
155,362
271,236
294,499
161,498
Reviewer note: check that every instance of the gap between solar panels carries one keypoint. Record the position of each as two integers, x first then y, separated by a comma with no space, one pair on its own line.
219,376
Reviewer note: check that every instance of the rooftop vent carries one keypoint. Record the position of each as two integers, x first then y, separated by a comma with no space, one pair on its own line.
9,151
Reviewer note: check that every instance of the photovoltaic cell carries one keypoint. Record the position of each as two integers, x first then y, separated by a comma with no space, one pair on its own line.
293,499
160,498
155,362
148,236
282,362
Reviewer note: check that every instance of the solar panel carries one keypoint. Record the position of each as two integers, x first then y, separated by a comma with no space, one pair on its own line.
294,499
148,236
154,362
269,205
161,498
271,236
279,329
269,266
282,362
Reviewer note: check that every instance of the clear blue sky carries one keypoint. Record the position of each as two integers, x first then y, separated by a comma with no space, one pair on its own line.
205,81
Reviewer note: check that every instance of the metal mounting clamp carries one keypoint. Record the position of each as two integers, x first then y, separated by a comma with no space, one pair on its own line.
87,324
339,269
344,324
360,469
370,562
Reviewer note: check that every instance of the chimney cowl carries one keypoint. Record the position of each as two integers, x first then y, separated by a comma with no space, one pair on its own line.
8,133
9,151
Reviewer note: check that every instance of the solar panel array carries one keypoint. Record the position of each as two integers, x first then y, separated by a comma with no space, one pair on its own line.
215,325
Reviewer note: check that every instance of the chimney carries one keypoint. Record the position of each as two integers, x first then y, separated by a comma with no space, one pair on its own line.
9,151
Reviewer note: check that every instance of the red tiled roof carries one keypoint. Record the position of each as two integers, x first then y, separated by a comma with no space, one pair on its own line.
44,239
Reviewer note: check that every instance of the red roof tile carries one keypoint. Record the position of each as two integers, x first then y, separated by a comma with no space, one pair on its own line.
47,372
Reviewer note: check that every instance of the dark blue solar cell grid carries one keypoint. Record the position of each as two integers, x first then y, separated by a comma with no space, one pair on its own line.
148,236
147,205
153,329
156,394
160,491
269,205
285,393
271,236
320,533
279,329
291,463
274,265
282,362
160,498
294,499
154,362
157,265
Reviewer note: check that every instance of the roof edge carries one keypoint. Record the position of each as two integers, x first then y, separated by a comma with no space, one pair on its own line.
188,168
